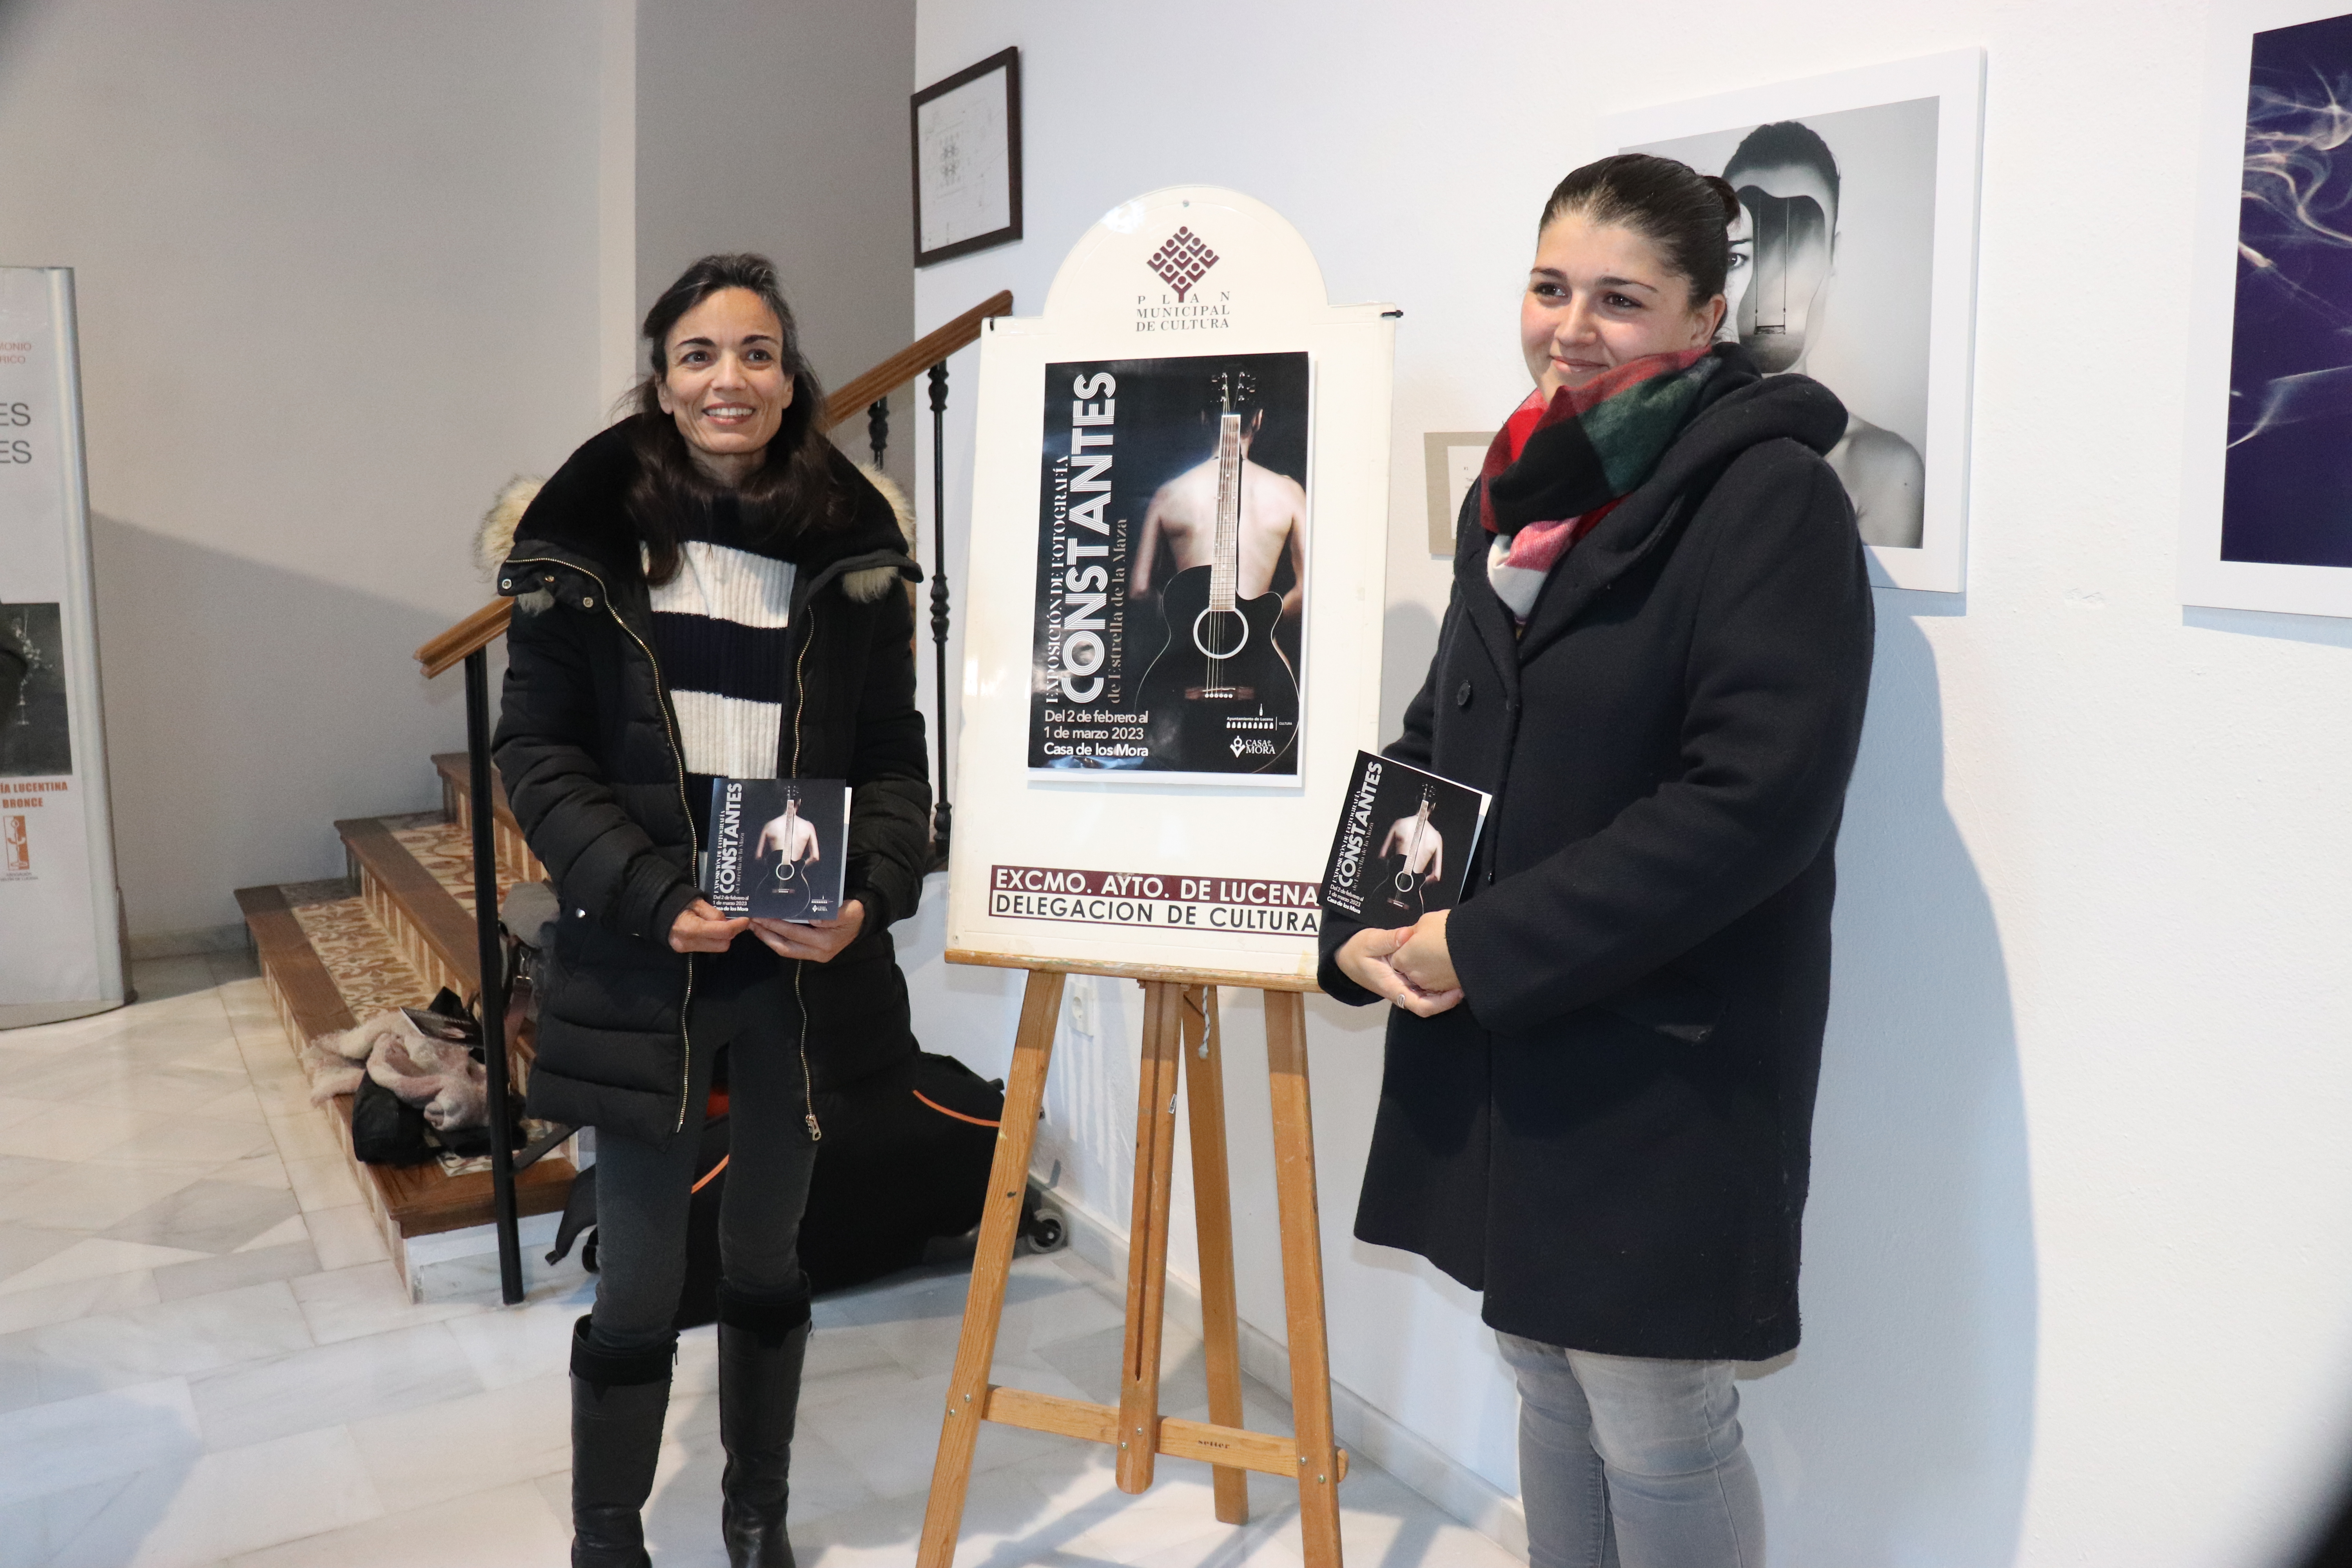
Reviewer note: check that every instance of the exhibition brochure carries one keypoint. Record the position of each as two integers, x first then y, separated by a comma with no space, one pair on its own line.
1404,842
778,849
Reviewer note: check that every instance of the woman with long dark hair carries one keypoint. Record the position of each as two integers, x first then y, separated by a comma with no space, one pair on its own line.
706,589
1599,1083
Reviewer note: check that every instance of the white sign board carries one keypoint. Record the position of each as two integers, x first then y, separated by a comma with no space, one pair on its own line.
1180,524
60,934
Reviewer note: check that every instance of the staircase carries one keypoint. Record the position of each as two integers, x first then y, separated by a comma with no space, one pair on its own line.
397,928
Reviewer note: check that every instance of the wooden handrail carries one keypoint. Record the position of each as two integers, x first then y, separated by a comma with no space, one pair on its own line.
450,648
854,395
479,630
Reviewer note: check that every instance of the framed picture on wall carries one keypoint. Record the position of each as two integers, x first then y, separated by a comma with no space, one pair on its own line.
967,144
1854,262
2267,454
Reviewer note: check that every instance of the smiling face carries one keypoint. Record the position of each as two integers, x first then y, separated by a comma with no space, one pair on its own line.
725,382
1600,295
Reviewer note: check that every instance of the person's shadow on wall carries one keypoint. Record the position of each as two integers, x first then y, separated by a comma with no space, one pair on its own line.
1901,1429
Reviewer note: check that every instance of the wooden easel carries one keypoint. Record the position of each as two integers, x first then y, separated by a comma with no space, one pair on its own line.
1179,1018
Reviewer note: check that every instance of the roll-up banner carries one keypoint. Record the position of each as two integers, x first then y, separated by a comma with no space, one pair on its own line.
60,926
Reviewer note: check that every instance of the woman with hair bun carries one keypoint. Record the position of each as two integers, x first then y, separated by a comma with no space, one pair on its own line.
1599,1085
708,588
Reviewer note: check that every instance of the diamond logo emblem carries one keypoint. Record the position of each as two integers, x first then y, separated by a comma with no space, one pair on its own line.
1183,262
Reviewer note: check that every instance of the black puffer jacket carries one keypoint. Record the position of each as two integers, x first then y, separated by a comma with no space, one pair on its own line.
1611,1136
586,745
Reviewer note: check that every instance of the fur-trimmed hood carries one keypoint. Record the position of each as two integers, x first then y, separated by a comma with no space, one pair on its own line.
494,539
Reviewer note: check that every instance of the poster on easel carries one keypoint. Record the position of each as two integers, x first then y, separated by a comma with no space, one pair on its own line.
61,930
1180,528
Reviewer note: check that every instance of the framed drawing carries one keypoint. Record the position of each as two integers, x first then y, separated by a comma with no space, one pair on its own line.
2267,491
1449,462
1854,262
967,146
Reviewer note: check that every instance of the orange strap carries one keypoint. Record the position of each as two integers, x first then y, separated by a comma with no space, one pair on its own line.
960,1116
710,1175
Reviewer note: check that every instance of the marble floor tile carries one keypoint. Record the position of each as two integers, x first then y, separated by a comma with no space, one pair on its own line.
515,1344
76,1131
199,1334
187,1140
682,1518
891,1437
21,1246
158,980
207,1216
331,1384
455,1447
368,1299
346,1233
260,1169
209,1361
1002,1510
34,1530
174,1090
508,1527
237,1103
323,1183
205,1276
91,1258
69,1443
305,1136
284,1233
88,1196
227,1502
92,1296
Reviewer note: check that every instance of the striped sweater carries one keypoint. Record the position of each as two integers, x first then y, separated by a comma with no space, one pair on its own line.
720,629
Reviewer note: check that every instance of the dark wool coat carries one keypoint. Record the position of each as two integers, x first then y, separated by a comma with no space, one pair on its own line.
586,745
1610,1136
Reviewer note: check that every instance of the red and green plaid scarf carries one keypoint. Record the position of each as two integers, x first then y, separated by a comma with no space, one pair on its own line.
1555,470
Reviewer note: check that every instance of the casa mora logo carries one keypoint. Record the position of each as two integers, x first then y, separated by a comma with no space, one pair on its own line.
1183,262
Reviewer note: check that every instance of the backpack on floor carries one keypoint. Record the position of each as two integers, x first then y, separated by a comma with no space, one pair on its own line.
904,1160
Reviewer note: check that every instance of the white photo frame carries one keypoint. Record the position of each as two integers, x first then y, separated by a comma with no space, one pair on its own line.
1906,138
2209,576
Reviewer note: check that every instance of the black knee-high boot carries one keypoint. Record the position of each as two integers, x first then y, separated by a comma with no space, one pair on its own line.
763,1342
618,1405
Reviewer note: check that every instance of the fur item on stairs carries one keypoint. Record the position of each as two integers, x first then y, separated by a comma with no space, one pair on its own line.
494,539
439,1075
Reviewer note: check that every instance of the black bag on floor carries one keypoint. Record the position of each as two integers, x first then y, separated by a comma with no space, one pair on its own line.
904,1158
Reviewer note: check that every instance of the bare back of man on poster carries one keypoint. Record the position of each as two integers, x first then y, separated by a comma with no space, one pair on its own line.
1173,555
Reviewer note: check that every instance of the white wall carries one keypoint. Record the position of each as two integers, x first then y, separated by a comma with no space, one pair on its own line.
337,268
782,129
2079,1276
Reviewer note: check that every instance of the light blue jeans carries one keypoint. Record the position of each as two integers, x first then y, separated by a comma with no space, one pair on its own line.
1627,1462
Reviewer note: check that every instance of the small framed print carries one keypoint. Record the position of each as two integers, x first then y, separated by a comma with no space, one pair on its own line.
1450,463
967,144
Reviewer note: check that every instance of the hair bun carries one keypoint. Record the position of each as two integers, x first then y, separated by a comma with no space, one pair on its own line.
1726,194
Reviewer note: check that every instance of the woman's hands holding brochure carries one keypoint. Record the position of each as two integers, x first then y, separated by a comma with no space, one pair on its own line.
1410,967
817,941
701,929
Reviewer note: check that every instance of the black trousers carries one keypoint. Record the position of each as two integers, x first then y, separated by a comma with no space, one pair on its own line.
743,1000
